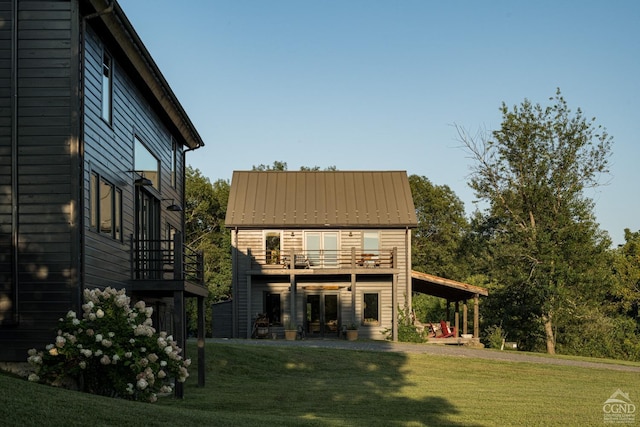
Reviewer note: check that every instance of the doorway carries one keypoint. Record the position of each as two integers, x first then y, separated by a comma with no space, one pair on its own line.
147,235
321,315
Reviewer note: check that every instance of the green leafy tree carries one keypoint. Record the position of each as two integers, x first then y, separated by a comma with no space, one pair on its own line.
441,228
545,246
205,212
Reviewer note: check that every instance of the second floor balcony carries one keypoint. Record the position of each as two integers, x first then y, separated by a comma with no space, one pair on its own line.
167,264
328,261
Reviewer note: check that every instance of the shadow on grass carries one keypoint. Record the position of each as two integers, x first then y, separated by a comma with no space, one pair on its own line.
309,385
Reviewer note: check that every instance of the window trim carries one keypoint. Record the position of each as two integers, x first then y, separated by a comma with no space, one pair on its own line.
363,319
96,183
269,258
106,102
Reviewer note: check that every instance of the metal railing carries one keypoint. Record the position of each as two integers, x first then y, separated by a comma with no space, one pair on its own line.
323,259
166,260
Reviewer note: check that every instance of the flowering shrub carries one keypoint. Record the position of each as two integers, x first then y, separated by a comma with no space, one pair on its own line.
112,350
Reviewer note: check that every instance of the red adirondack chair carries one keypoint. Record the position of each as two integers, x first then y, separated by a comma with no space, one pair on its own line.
446,332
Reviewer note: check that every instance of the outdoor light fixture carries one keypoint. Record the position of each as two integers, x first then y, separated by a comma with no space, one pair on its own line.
173,207
141,181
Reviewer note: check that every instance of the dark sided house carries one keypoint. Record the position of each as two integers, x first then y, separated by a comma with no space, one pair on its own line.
321,249
92,165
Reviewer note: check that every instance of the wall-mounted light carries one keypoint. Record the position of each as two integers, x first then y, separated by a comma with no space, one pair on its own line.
141,181
173,207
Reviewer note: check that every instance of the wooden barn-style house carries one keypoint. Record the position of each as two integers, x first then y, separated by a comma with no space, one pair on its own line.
321,250
92,171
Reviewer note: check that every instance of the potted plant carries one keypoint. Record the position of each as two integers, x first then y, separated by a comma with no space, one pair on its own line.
352,331
290,330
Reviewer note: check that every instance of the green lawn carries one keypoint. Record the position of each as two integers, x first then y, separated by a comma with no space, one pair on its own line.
288,386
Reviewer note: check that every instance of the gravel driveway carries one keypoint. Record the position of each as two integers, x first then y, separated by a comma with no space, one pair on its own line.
442,350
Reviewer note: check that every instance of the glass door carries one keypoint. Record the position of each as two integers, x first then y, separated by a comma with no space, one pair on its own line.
148,255
322,314
322,248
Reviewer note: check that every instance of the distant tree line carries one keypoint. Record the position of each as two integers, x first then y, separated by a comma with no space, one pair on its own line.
555,284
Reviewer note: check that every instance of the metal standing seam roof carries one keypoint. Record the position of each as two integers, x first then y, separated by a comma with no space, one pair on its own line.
312,199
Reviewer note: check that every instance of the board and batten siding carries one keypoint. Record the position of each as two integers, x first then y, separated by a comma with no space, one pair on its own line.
40,174
109,152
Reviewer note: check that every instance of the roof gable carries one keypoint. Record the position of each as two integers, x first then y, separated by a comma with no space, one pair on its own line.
310,199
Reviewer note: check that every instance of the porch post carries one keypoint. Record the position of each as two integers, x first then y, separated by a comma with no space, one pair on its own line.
394,309
476,317
201,332
249,325
293,294
353,299
456,317
464,317
178,332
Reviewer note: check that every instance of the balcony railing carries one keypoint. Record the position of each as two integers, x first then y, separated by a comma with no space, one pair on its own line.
166,260
354,258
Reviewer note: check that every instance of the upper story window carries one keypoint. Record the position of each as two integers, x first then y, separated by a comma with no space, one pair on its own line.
146,164
105,207
272,246
322,248
371,242
107,83
175,156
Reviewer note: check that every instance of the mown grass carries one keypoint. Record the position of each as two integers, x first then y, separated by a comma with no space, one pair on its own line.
292,386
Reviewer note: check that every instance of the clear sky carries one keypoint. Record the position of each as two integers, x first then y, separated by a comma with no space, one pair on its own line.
380,84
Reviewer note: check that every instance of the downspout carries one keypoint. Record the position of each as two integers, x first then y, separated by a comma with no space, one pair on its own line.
14,162
80,211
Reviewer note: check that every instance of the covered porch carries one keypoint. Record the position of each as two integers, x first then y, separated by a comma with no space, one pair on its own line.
457,293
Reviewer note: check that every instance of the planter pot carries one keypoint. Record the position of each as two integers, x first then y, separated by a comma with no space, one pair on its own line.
352,334
290,335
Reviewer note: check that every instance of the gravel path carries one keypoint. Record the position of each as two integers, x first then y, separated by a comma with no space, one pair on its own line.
442,350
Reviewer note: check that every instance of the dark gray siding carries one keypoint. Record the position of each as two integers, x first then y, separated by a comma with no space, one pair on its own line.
108,150
45,72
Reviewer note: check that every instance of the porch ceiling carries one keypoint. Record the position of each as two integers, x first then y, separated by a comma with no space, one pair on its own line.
444,288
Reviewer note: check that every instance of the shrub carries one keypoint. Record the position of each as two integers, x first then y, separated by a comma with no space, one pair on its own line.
113,350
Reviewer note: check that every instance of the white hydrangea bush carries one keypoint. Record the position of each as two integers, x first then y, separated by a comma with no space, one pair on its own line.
112,349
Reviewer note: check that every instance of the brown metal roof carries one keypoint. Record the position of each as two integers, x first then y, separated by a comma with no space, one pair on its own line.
444,288
306,199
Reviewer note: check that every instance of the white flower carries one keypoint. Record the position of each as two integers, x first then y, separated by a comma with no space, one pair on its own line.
34,377
106,343
142,384
60,341
49,347
99,313
153,358
99,338
168,350
163,363
71,314
92,316
144,362
32,352
75,322
187,362
115,358
161,374
128,355
98,353
82,364
111,334
129,388
105,360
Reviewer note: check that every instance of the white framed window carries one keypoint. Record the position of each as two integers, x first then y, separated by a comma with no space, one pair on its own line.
371,309
322,248
273,247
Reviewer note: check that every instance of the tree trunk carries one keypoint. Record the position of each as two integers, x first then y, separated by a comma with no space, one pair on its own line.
548,329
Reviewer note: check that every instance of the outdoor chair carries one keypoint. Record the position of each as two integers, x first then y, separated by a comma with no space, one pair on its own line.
446,332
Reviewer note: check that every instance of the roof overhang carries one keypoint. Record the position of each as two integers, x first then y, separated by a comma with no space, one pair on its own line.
125,35
444,288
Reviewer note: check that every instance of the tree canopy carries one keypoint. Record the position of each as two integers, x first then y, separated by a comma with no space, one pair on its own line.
532,172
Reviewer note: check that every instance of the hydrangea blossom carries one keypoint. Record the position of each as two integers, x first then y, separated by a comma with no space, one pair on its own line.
112,349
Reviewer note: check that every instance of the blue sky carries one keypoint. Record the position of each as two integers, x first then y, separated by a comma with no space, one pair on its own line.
380,85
